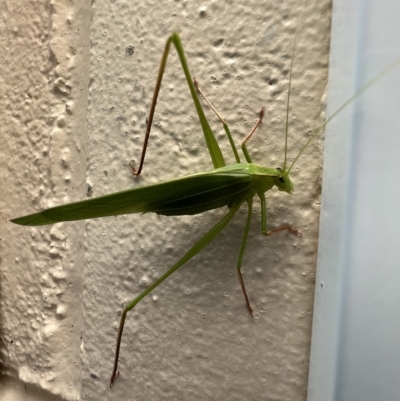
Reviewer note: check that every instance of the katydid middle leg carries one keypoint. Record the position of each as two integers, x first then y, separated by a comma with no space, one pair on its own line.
250,200
226,128
241,253
224,124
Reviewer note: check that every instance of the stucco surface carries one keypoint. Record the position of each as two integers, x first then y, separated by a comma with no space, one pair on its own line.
192,338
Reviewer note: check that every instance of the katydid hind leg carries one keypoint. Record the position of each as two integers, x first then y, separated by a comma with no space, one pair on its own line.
115,372
241,253
196,248
149,119
212,144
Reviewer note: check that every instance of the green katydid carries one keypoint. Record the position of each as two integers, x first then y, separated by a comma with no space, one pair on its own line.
223,186
230,186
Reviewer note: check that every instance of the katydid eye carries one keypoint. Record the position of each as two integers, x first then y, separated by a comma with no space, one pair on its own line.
281,180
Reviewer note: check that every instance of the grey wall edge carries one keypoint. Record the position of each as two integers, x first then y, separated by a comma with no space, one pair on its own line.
354,297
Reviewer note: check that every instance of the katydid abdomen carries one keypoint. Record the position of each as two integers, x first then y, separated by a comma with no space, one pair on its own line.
193,194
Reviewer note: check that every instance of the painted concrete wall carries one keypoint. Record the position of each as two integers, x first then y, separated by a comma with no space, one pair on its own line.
64,286
44,86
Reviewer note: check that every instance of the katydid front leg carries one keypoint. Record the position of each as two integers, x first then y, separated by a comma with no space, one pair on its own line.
249,201
264,221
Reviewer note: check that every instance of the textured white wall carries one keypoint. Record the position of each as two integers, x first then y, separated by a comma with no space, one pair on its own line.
192,338
44,86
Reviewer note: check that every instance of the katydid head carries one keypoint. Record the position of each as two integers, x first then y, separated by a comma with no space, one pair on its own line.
283,182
